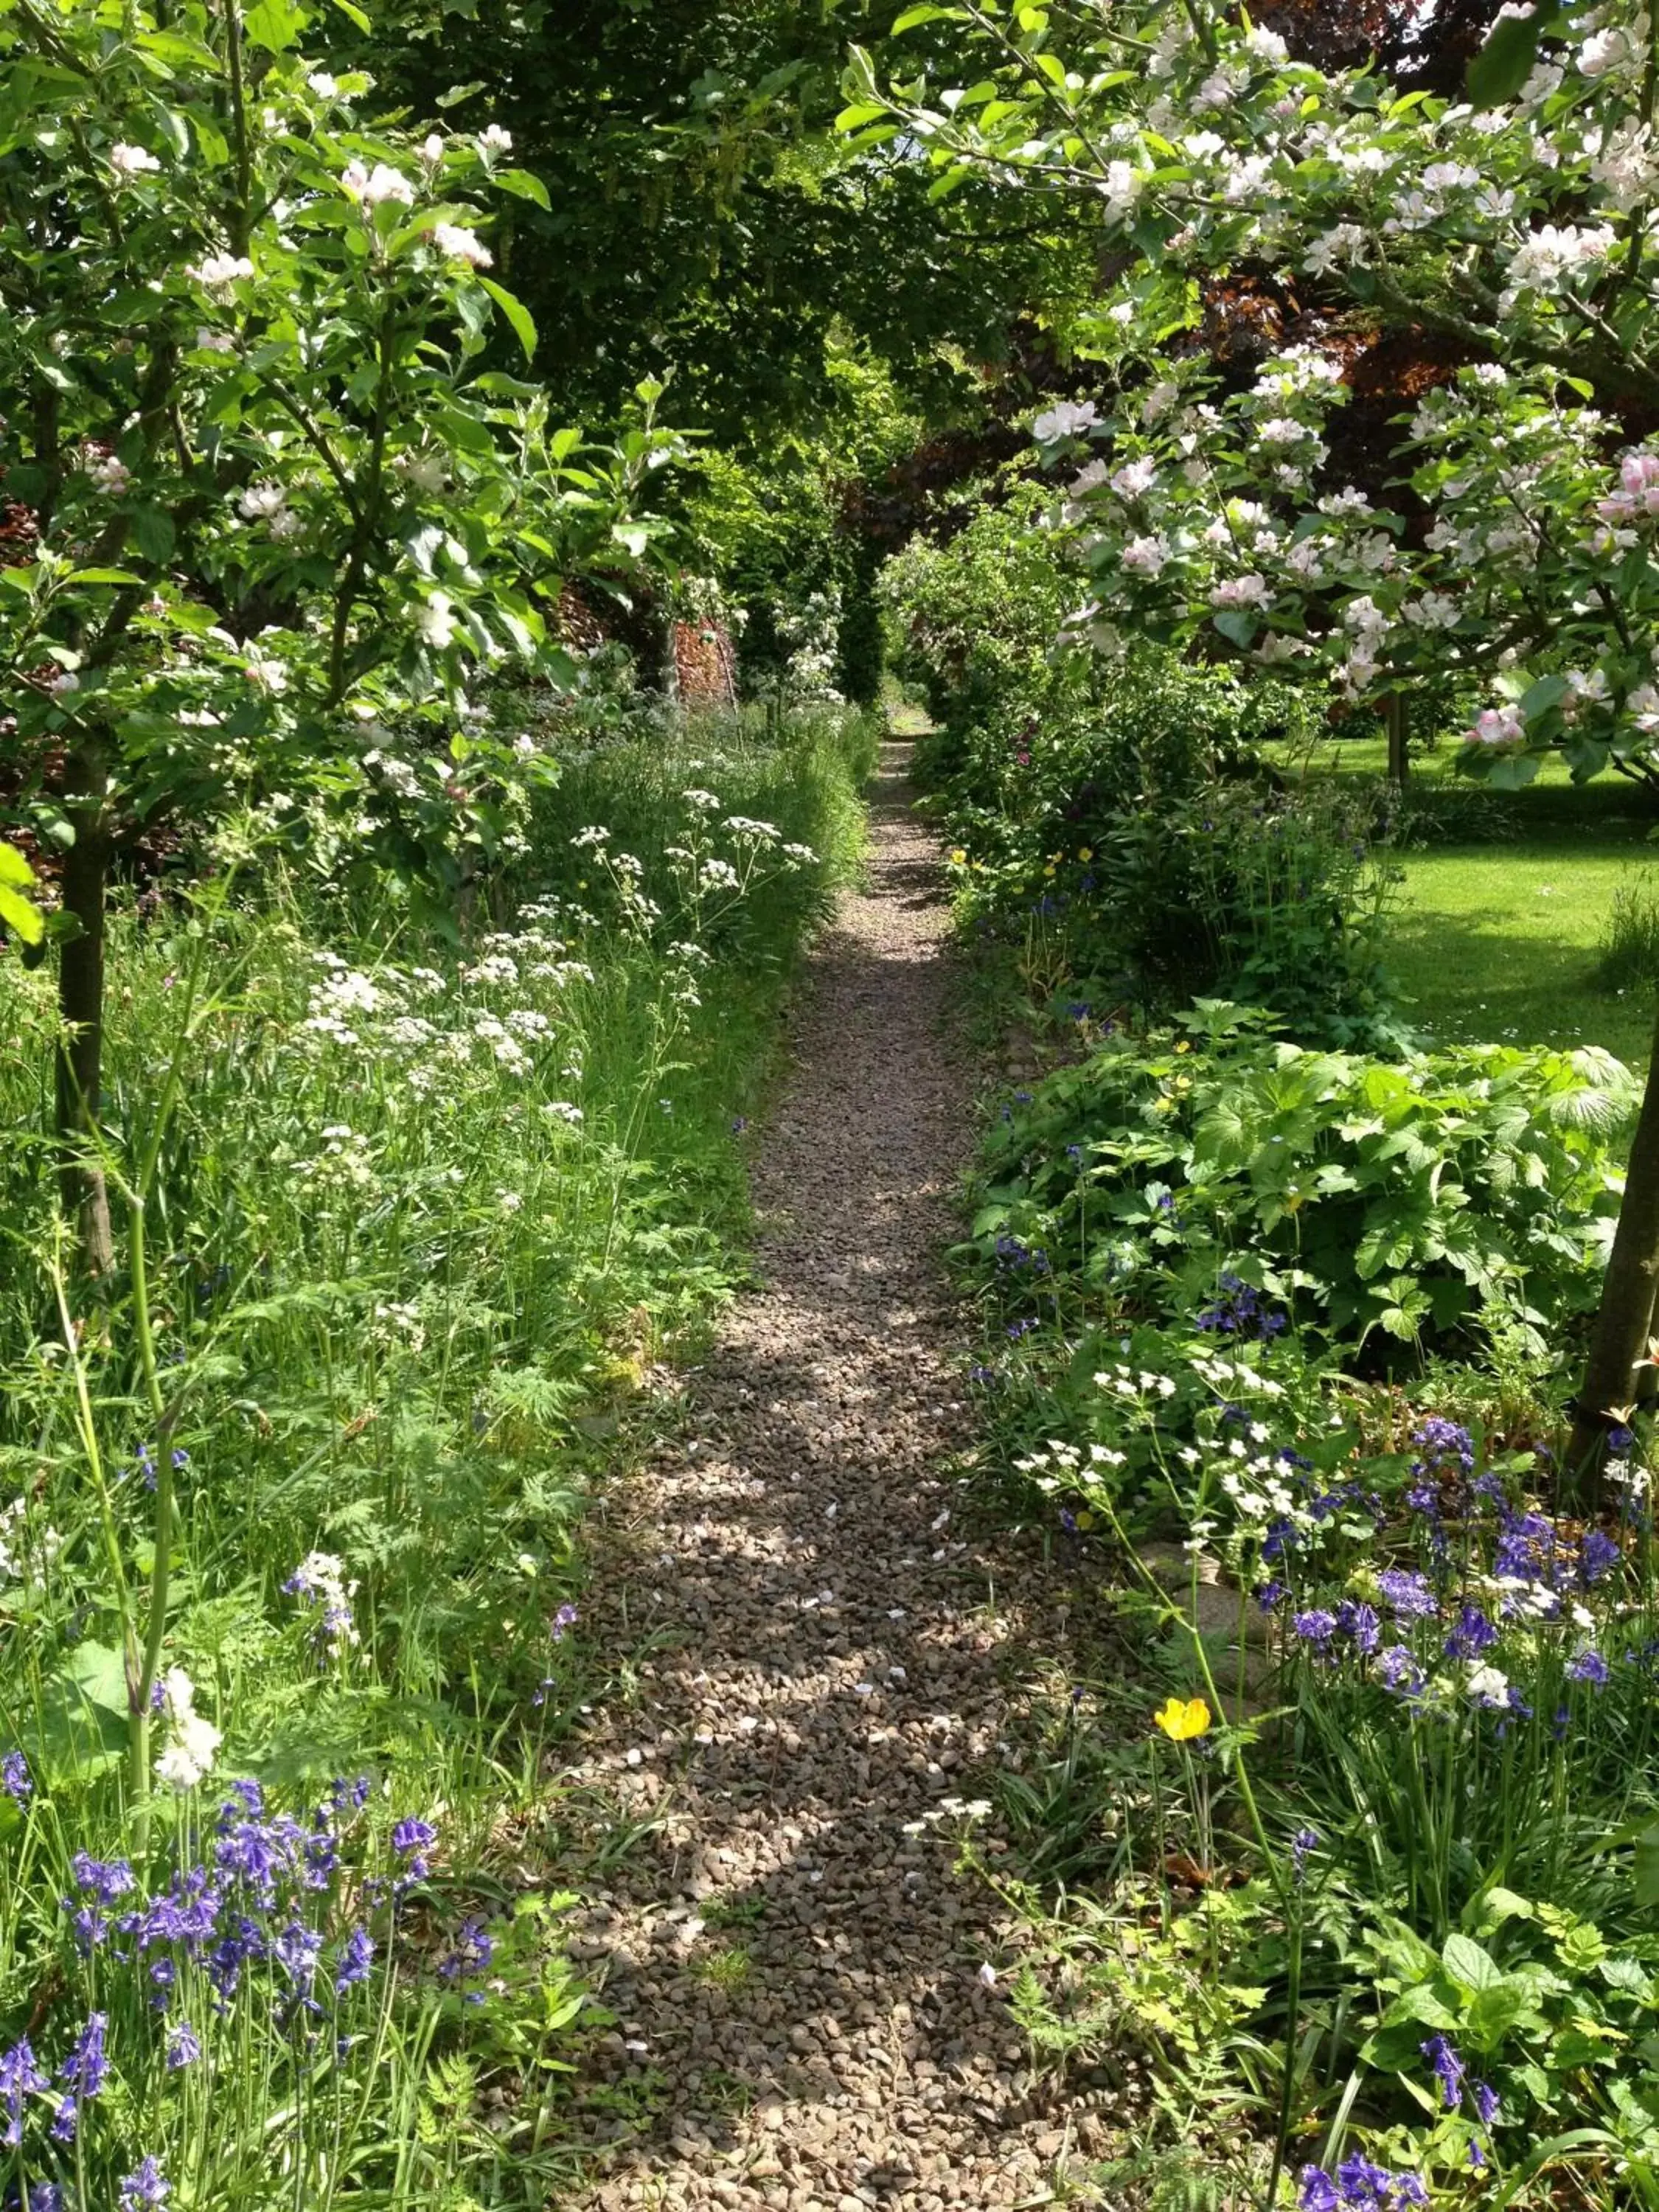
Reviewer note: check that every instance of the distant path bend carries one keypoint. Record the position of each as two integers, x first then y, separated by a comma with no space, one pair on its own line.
801,1976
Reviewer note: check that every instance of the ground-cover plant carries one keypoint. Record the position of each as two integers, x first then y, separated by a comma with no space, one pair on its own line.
419,1220
1217,1176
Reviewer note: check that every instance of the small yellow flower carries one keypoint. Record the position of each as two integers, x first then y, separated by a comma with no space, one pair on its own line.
1181,1721
957,856
1085,852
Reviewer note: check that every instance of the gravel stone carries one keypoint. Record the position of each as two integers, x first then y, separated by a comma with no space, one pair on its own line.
811,1681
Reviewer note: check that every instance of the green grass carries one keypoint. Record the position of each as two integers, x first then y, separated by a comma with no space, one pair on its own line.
1505,899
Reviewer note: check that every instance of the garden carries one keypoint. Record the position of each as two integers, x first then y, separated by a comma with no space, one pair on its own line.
484,491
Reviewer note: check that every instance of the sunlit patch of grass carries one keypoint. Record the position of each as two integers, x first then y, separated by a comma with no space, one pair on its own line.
1503,924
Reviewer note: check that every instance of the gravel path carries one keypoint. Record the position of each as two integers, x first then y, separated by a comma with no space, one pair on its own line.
802,2019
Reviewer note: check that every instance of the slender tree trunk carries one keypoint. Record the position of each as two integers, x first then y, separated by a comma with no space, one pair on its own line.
1626,1311
81,1001
1396,721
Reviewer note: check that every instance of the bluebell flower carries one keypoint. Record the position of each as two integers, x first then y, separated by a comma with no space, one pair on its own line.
1486,2101
184,2047
146,2188
1268,1594
1315,1626
296,1949
1446,2062
356,1956
1472,1634
14,1777
565,1618
19,2077
106,1879
1408,1593
1398,1670
87,2068
1598,1555
412,1836
1304,1841
1360,1624
1358,2186
1588,1666
474,1947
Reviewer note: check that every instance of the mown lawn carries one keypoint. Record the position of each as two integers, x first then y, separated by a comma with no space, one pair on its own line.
1505,900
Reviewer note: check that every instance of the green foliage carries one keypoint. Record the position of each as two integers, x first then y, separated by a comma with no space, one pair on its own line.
426,1218
1347,1194
1111,819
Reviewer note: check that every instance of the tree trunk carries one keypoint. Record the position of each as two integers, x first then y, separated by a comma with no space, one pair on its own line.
81,1002
1396,721
1626,1313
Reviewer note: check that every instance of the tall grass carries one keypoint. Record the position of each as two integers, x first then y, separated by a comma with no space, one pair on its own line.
419,1220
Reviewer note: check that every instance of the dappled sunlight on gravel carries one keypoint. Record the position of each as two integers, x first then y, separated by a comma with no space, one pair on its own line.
802,2017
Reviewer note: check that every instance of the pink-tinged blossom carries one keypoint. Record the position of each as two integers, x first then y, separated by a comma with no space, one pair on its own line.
370,187
218,273
1068,418
1145,556
1497,726
1241,591
458,245
1135,477
132,160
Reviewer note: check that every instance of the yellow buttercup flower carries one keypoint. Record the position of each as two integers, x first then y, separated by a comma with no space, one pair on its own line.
1085,852
1181,1720
957,855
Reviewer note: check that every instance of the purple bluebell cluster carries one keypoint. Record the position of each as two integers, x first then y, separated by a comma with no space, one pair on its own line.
1014,1256
1470,1635
1242,1310
1354,1625
245,1904
1358,2186
15,1779
1407,1594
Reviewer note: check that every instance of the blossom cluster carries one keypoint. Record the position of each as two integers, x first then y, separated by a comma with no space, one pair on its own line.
1516,223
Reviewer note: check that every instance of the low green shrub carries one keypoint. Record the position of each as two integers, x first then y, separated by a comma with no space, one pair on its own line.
1255,1185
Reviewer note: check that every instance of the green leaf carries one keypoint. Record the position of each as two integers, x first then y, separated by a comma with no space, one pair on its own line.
1234,622
1468,1964
516,312
1538,698
17,914
274,24
912,16
354,15
103,576
523,185
153,532
1644,1868
1506,62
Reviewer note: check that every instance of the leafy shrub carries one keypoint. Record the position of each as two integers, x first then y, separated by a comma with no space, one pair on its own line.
1222,1174
1112,816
